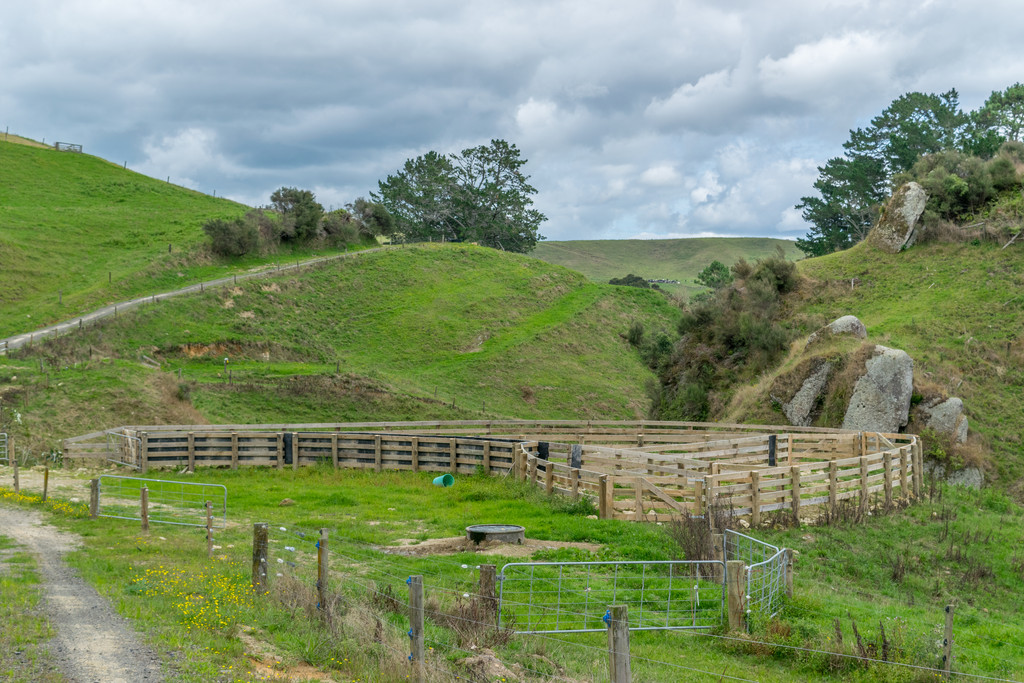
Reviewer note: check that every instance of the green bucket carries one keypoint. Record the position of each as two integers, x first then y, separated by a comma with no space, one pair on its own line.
444,480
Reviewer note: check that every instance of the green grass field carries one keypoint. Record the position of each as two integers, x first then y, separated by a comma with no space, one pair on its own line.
602,260
889,577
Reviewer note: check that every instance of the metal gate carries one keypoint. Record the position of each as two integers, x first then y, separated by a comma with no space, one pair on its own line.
170,502
572,597
124,450
766,571
4,457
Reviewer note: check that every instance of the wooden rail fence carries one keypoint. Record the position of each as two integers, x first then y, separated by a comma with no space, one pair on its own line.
642,470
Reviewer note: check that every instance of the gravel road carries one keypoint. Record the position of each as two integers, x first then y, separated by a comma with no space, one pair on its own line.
93,643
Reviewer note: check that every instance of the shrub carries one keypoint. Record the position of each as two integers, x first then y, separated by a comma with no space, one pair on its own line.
231,238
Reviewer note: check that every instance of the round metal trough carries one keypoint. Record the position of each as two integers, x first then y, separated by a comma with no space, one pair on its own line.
506,533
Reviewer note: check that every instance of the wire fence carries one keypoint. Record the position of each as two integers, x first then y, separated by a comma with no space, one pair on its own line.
3,448
169,502
767,566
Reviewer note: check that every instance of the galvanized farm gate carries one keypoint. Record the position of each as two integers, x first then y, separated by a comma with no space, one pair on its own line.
766,571
572,597
170,502
124,449
4,456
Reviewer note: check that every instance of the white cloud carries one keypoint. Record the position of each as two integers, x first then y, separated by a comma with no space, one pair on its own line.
661,175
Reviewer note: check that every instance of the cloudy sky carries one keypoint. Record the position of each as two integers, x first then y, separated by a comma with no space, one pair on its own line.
639,119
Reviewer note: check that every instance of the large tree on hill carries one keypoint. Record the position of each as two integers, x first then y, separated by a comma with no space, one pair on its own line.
1004,112
850,191
300,213
480,195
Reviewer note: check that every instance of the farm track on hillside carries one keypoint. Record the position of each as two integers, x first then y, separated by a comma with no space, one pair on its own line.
93,643
19,340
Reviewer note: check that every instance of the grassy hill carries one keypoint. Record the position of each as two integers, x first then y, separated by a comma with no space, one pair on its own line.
422,332
683,259
77,231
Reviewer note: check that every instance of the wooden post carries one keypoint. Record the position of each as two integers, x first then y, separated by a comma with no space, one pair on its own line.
144,502
833,483
789,572
295,450
209,529
904,493
772,443
280,451
46,482
863,445
549,478
947,642
453,456
795,476
532,478
602,497
709,500
918,468
415,444
334,450
191,451
755,498
17,481
698,497
887,464
638,497
260,536
574,483
94,498
234,450
416,627
377,461
144,452
487,457
618,644
864,484
718,553
322,575
736,577
488,589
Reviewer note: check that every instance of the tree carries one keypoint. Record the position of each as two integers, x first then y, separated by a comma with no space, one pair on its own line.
494,198
374,220
715,276
850,192
480,195
300,211
1004,111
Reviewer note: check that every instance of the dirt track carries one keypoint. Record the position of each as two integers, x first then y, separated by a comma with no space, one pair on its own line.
93,643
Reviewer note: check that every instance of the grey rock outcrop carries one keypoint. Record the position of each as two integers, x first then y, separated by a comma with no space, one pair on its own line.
847,325
897,226
947,417
971,477
798,410
881,397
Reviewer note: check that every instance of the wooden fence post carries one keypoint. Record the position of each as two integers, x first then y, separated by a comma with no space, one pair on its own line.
416,626
94,498
833,484
322,575
947,642
736,577
487,457
144,502
549,478
904,493
795,475
918,467
755,498
144,452
602,497
209,529
415,446
864,502
377,453
46,482
191,451
17,481
234,450
334,450
453,455
260,537
887,464
488,590
718,553
618,644
295,450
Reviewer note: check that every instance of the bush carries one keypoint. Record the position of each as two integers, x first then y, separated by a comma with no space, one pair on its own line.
231,238
340,228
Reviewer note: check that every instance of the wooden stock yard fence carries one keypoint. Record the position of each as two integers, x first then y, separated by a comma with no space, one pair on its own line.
640,470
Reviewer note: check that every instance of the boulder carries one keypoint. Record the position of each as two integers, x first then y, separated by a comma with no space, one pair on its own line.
947,417
798,410
896,228
881,396
847,325
971,477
